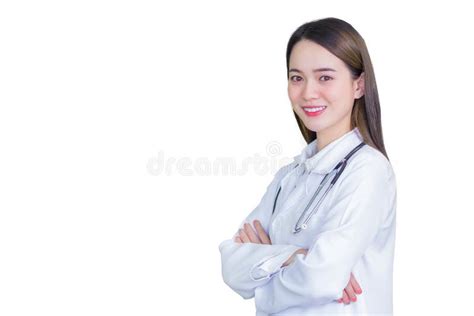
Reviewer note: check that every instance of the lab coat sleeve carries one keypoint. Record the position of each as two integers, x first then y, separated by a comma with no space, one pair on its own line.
245,266
320,276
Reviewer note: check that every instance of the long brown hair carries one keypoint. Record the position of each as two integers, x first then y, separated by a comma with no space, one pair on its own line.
343,41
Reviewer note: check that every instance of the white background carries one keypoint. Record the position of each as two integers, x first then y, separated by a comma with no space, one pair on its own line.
93,93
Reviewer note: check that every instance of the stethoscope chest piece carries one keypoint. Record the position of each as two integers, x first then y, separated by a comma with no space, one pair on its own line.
297,228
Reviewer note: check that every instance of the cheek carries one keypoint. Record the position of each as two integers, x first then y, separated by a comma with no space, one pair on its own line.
344,91
336,94
293,94
332,93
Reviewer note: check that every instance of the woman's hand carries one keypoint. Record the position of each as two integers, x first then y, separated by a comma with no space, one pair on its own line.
349,293
259,236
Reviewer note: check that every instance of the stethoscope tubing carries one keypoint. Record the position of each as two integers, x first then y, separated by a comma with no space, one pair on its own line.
339,168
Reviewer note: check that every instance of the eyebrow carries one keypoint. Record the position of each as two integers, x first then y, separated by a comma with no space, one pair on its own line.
314,70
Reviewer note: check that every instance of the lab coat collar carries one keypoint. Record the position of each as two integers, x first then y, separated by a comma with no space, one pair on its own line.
323,161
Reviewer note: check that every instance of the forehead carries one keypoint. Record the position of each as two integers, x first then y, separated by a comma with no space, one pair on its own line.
307,55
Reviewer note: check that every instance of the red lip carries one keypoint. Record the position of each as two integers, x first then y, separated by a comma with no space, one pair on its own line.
313,113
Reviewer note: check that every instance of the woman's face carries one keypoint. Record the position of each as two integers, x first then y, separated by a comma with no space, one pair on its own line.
321,89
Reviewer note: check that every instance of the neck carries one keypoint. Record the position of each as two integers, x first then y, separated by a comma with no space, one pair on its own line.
327,137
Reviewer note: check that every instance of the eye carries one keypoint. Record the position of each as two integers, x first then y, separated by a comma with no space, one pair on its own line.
292,77
327,78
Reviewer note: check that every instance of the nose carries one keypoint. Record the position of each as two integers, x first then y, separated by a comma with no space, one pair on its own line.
311,90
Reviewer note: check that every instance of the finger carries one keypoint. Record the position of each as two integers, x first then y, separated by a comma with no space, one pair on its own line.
238,240
243,236
350,292
250,232
261,232
355,285
345,297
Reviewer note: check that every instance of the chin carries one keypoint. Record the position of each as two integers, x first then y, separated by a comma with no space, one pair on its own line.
313,127
316,129
313,124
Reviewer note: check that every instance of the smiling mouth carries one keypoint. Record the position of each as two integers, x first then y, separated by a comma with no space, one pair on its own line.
313,110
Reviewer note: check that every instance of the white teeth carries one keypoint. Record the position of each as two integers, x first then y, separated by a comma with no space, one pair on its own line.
315,109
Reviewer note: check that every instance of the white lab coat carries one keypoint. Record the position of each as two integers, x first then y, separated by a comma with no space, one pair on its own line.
353,231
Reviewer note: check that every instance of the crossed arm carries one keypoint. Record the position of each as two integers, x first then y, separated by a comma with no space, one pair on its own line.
258,235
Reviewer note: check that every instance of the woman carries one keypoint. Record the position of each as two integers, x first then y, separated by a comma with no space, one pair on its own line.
299,255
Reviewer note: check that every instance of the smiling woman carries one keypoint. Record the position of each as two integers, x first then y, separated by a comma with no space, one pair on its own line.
340,72
313,90
323,234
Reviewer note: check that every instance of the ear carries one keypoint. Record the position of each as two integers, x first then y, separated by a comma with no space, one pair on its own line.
359,86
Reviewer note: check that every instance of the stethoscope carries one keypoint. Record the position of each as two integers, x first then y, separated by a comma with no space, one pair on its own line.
303,220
